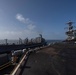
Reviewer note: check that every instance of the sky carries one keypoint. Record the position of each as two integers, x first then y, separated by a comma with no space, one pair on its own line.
29,18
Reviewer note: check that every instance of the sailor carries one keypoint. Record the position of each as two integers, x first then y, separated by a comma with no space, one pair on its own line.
14,57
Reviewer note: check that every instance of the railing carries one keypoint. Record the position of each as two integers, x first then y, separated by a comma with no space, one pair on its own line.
15,71
5,65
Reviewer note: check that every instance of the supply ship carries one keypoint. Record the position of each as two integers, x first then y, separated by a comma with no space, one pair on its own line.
26,43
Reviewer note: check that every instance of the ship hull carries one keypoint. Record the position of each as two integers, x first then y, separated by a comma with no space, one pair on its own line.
9,48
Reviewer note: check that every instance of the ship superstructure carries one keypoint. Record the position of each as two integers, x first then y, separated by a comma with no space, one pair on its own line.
71,32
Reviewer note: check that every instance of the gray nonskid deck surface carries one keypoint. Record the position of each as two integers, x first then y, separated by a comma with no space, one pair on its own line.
39,64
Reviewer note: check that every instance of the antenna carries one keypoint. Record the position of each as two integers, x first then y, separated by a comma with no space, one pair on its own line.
70,23
71,31
70,27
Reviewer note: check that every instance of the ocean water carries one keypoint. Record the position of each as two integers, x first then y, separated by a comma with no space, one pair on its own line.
17,41
53,41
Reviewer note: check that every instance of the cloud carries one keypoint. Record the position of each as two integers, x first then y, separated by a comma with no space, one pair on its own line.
31,27
30,24
16,34
30,30
20,18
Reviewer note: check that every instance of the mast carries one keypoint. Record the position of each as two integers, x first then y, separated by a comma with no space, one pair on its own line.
70,32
